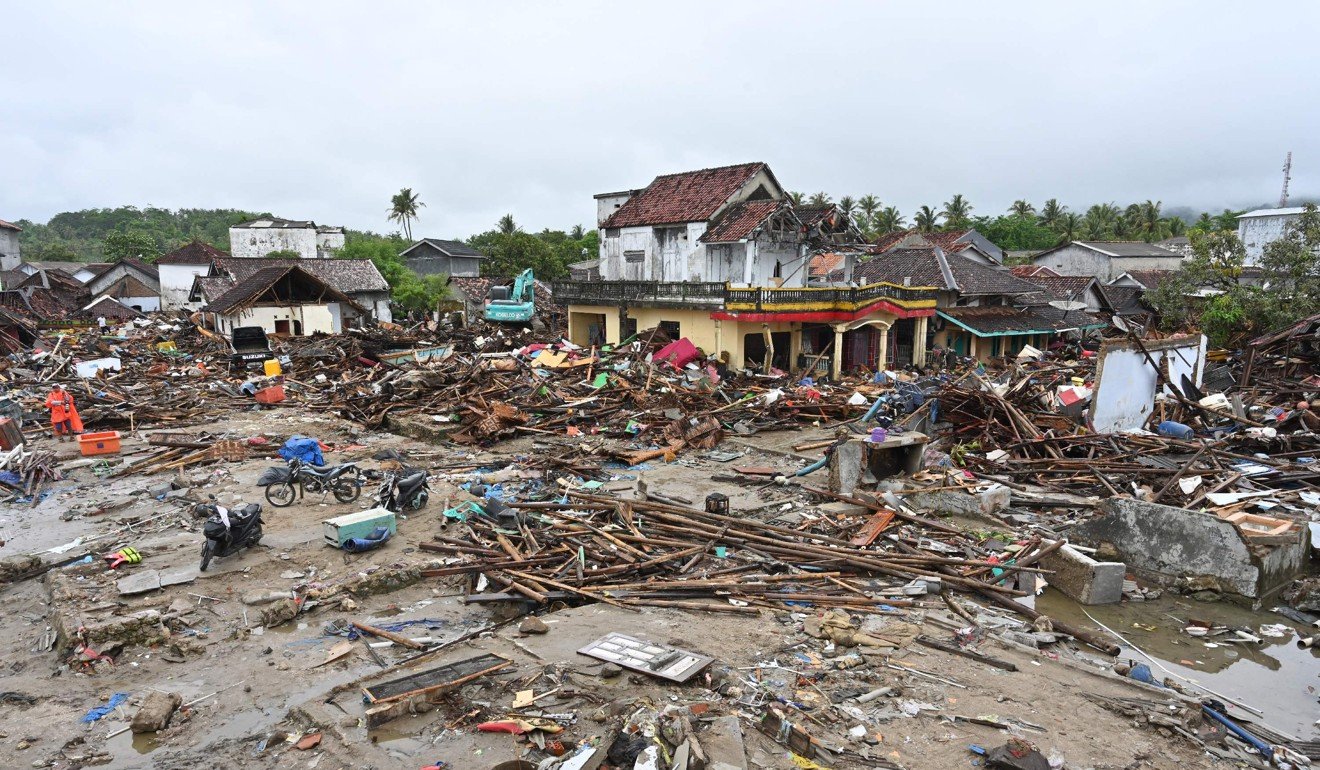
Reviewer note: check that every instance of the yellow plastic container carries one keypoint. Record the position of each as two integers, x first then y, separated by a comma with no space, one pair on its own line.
273,368
167,347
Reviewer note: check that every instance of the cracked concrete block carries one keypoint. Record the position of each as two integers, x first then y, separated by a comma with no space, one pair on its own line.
847,464
984,503
1084,579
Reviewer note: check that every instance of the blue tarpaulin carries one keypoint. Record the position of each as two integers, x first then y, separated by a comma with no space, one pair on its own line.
303,448
100,711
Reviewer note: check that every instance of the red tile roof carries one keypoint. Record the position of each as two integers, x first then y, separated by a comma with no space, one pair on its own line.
692,196
195,253
824,264
1151,278
945,239
739,220
9,226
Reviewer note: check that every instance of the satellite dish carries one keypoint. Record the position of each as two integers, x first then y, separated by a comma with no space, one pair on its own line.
1068,305
1120,324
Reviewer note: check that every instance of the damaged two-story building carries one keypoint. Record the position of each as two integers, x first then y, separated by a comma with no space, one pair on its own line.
721,256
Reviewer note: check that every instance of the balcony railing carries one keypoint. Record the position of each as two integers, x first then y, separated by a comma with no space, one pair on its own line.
762,299
842,298
639,293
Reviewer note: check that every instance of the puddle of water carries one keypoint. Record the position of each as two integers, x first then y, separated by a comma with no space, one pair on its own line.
402,735
1277,677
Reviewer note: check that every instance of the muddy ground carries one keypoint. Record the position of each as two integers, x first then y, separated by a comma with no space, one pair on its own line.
270,687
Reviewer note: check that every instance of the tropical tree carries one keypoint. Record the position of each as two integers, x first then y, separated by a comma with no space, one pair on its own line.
576,233
889,220
1175,226
403,209
507,226
1099,221
867,205
820,199
1228,219
848,205
1022,208
123,245
957,211
1050,213
798,198
1149,222
1069,226
926,219
1205,223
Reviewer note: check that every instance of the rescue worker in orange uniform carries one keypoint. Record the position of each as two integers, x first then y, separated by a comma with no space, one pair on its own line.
63,414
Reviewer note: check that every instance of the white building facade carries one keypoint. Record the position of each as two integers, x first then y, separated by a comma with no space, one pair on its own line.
260,237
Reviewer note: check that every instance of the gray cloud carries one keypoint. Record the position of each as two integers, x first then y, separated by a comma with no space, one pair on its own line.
323,110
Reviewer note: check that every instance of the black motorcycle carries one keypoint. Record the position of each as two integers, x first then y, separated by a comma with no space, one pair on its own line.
403,489
228,531
344,481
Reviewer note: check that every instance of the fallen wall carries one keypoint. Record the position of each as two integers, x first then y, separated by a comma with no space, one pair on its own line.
1165,543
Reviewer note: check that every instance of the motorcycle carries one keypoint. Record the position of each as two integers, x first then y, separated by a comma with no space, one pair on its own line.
344,481
403,489
228,532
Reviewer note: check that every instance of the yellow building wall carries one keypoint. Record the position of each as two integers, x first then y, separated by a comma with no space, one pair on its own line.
712,336
580,318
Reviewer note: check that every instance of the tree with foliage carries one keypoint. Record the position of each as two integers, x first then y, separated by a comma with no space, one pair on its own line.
1051,213
119,245
407,289
798,198
83,233
957,212
403,209
1069,226
507,226
1098,222
868,206
848,205
1022,208
283,254
1208,293
508,254
926,219
820,199
888,220
576,232
1015,233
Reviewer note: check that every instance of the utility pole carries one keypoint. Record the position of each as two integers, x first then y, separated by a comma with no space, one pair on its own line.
1287,175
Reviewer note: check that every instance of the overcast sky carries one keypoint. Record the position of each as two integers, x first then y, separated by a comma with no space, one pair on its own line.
323,110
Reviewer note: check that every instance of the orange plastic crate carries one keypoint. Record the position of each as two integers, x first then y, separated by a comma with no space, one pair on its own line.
272,395
103,443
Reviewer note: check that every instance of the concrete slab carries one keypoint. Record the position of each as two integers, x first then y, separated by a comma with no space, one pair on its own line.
1084,579
1167,544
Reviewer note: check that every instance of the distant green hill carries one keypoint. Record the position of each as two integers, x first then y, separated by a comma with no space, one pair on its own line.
79,235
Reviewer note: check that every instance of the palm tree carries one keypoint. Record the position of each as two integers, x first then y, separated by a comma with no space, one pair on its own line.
848,205
1022,208
1050,213
926,219
1205,223
820,199
1149,222
1069,226
888,219
1099,221
506,225
868,205
956,211
1175,226
797,198
403,209
577,233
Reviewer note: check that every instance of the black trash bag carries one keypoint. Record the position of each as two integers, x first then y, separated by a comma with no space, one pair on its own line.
391,454
625,749
274,475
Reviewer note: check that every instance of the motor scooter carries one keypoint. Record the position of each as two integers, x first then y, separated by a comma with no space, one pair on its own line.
228,531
